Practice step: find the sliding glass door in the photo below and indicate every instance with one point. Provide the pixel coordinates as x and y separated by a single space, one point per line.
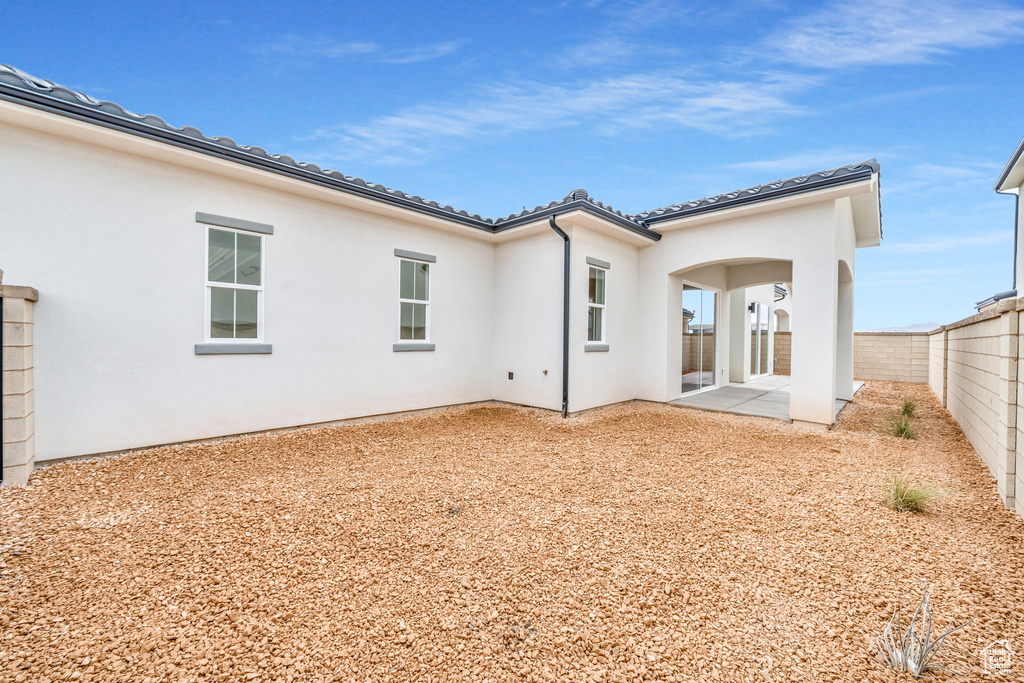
698 339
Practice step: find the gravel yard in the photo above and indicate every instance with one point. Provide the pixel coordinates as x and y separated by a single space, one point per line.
639 542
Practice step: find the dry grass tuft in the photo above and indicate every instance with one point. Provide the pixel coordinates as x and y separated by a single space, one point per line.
902 426
909 407
904 495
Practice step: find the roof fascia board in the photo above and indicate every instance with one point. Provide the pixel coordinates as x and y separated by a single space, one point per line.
722 213
867 217
1013 167
88 133
178 139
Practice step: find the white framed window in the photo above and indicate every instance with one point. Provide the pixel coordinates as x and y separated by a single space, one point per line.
234 285
596 305
414 301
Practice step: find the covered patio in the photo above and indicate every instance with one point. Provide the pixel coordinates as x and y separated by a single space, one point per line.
709 291
761 397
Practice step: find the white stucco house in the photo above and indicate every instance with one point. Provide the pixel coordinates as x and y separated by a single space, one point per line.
1010 181
190 287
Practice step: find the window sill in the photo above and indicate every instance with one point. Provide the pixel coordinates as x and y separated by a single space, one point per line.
591 347
412 346
218 348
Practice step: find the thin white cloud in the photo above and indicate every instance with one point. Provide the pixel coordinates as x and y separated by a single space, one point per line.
914 278
598 52
671 98
805 162
930 177
422 54
607 106
316 46
617 42
942 243
323 47
875 32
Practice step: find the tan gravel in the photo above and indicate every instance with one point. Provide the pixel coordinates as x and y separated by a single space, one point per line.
640 542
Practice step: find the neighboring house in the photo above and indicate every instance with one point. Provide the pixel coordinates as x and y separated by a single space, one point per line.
190 287
1010 182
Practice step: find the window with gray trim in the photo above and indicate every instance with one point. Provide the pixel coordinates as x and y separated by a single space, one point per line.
234 285
414 300
595 305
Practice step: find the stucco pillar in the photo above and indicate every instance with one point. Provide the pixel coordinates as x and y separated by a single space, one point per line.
18 407
844 342
674 338
739 336
812 383
723 335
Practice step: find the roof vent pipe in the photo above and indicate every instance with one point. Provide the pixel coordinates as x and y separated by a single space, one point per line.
565 314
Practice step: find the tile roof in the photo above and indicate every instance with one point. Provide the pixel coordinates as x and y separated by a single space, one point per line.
757 193
23 88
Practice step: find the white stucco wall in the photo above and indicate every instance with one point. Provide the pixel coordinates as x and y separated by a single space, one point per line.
603 377
112 242
783 311
104 224
528 328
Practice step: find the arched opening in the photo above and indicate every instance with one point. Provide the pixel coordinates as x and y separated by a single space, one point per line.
726 323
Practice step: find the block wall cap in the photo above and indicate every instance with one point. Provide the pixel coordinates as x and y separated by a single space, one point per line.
989 313
15 292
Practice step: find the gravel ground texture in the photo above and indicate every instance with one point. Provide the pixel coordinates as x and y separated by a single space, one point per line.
493 543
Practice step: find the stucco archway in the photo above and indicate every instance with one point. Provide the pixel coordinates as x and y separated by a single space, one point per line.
737 283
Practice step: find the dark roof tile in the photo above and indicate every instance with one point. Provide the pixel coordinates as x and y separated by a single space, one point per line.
773 190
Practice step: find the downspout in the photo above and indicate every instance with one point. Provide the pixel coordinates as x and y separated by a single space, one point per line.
1016 237
1016 233
565 318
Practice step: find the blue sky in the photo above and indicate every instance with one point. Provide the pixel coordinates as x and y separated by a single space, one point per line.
493 106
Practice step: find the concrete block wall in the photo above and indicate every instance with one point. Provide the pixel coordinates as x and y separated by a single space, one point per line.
893 357
1018 432
693 345
783 352
980 388
17 387
937 355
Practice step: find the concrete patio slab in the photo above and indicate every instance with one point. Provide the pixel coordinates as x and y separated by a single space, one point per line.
760 397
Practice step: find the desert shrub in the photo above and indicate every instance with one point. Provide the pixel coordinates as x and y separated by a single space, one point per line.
914 649
902 426
909 407
904 495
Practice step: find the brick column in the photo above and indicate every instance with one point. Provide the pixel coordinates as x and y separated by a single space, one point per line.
18 409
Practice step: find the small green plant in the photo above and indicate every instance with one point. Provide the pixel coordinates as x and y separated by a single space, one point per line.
914 650
902 426
909 407
904 495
